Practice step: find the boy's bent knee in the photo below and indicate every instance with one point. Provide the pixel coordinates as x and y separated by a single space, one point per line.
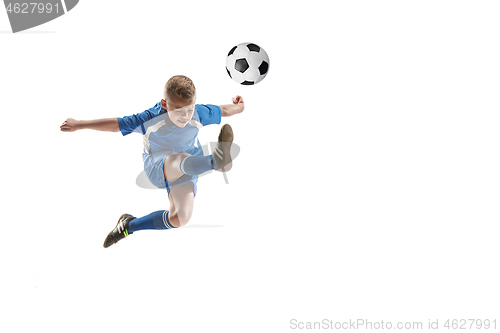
179 219
171 170
175 158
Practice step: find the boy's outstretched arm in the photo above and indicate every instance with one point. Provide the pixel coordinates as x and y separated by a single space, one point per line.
231 109
106 124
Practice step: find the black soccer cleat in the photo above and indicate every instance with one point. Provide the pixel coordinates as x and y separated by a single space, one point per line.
120 231
221 154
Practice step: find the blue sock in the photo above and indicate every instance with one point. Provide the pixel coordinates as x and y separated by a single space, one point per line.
157 220
196 165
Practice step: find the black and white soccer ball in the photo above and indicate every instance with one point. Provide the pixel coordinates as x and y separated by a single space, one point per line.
247 63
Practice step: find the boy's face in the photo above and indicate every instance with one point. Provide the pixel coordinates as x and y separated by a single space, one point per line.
180 111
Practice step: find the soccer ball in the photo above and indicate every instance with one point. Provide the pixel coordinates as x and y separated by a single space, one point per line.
247 63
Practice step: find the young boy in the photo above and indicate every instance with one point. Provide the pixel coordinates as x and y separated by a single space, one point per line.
173 157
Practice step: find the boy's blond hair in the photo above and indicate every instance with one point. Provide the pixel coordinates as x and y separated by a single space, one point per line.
179 86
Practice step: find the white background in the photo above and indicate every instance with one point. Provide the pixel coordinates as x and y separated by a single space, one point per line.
367 184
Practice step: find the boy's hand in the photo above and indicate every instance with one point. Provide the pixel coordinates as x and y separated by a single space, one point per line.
238 100
231 109
69 125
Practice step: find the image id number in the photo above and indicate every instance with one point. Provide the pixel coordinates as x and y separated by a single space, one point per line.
463 324
32 7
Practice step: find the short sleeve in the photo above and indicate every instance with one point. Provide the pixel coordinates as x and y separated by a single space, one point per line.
134 123
209 114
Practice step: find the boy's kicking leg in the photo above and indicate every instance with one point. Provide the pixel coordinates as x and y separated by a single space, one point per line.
178 164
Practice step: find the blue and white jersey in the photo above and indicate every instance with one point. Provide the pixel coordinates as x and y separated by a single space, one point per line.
162 137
